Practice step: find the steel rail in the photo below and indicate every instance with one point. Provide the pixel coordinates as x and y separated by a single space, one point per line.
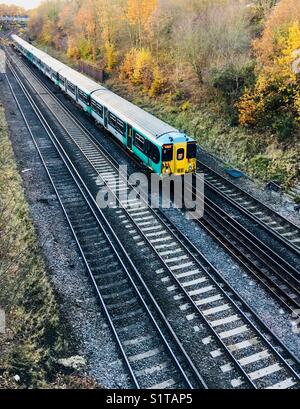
287 273
269 212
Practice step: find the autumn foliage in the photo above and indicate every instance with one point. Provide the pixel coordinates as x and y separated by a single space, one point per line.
11 10
239 53
274 100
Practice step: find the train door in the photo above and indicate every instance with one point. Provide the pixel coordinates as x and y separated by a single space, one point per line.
180 158
105 117
129 137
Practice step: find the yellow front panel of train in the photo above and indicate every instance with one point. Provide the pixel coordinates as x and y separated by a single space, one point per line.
180 164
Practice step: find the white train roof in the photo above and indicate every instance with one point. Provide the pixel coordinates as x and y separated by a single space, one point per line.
76 78
133 114
46 58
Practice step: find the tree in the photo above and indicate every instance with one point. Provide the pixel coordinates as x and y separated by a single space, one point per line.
212 35
138 14
274 100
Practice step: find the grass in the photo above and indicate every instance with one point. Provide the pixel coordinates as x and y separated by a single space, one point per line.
33 337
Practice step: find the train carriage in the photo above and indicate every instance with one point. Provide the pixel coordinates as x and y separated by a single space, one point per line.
79 87
159 146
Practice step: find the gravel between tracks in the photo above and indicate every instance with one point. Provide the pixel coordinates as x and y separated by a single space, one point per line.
280 202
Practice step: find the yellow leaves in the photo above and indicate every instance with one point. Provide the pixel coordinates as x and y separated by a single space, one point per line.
158 82
127 67
297 104
111 56
73 50
290 45
141 69
247 108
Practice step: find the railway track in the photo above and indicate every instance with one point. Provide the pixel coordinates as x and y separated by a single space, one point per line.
206 303
280 278
153 359
258 212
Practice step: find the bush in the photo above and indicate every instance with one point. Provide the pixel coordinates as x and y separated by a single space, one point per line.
157 84
297 198
185 106
232 80
143 69
110 56
284 126
128 65
140 68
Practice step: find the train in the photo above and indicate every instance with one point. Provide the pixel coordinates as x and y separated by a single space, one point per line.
160 147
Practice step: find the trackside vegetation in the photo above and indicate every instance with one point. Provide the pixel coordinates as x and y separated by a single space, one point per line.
32 338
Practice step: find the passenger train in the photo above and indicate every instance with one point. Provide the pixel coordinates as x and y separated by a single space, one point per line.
159 146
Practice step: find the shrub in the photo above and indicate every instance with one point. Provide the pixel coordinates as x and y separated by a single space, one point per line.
143 69
284 126
157 83
232 80
128 65
110 56
185 106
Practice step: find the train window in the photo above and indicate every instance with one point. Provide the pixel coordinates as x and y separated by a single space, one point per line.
71 87
167 153
84 97
180 154
121 126
61 78
97 108
112 120
152 151
139 141
191 150
116 123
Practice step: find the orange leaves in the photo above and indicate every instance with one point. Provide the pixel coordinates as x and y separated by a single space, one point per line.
138 16
139 11
276 92
283 15
86 18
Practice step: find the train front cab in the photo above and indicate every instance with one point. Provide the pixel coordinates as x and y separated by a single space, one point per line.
179 158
